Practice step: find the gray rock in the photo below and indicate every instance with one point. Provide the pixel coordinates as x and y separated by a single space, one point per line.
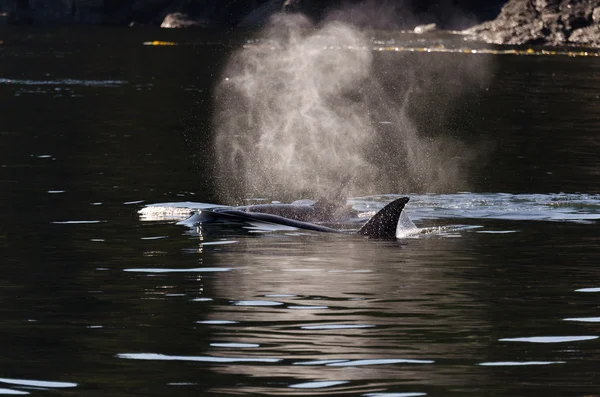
588 36
425 28
548 22
182 20
596 15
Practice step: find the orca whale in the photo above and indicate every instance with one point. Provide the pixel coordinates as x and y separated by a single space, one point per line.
381 226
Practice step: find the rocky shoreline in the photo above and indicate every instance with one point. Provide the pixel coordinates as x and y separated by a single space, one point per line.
543 22
538 22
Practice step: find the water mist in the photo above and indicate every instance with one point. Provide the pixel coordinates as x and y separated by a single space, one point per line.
301 114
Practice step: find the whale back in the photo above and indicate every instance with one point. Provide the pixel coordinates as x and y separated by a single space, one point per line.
381 226
237 215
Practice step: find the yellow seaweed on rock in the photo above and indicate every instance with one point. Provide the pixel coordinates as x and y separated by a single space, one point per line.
510 51
160 43
440 48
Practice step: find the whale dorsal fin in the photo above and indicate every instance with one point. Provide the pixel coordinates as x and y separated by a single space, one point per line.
383 224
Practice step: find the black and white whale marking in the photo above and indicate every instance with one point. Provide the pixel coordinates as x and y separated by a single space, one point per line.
381 226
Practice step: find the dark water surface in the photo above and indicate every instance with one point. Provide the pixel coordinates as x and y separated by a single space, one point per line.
504 300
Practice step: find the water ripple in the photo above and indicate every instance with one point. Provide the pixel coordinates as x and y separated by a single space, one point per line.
518 363
165 270
338 326
217 322
207 359
317 385
238 345
222 242
394 394
75 222
38 383
584 319
85 83
12 392
550 339
380 361
318 362
364 362
153 238
256 303
308 307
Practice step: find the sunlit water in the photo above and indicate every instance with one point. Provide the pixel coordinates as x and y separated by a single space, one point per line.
430 314
498 296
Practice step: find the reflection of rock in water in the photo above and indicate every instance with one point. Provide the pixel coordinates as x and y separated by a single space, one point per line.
343 299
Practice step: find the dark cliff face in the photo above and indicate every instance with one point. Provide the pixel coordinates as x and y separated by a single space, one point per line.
555 22
406 14
219 13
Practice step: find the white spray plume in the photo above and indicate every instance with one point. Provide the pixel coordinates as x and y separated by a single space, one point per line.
299 112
